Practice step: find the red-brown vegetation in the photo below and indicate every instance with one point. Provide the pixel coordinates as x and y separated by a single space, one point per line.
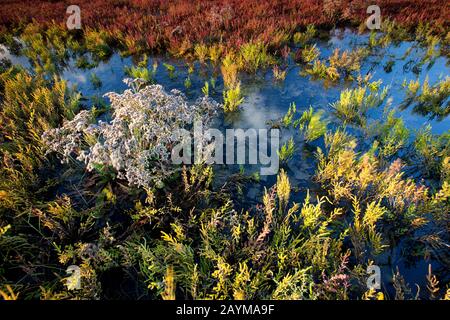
177 25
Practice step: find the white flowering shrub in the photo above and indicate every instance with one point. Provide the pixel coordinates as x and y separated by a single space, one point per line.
138 140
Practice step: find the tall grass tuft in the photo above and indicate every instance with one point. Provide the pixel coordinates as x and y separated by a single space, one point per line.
311 124
232 98
286 151
229 69
253 56
353 104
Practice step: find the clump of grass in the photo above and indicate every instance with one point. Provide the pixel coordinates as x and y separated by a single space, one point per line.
423 31
169 283
320 70
346 173
286 151
41 105
97 43
229 69
201 52
392 134
311 125
412 87
340 65
46 50
302 38
347 63
433 153
289 116
364 230
205 89
254 56
392 33
428 100
170 69
215 52
143 73
432 51
188 83
232 98
144 61
373 41
308 54
283 189
353 104
278 73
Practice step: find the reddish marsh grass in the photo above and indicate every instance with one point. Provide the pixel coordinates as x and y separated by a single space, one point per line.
177 25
